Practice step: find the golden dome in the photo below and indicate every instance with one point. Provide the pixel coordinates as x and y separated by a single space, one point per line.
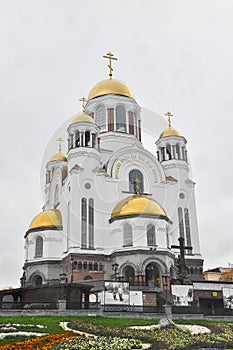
46 220
83 118
138 205
170 132
110 87
58 156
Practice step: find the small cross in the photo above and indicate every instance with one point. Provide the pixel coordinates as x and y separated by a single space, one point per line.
169 115
84 101
137 182
59 140
111 57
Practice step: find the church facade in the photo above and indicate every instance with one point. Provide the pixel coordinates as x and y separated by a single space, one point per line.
112 208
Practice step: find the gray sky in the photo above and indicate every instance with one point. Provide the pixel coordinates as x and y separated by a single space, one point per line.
175 55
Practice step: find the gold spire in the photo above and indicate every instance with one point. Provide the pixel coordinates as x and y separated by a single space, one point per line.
84 101
59 140
110 57
137 187
169 115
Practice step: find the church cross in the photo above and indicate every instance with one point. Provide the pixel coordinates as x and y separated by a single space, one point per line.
110 57
59 140
182 264
137 187
83 100
169 115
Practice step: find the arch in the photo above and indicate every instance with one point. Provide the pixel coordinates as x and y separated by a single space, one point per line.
37 281
80 265
39 247
128 273
163 267
133 175
120 118
127 235
100 117
86 278
153 275
151 239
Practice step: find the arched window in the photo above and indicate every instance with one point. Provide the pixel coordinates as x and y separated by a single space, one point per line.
95 266
181 222
151 241
120 119
91 222
39 247
85 265
133 176
80 266
128 236
187 229
100 117
169 151
178 151
84 223
77 139
90 266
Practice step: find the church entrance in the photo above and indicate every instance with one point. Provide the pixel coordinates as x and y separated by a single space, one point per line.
152 275
129 275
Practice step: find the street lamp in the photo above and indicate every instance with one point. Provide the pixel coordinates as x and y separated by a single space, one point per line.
115 269
63 281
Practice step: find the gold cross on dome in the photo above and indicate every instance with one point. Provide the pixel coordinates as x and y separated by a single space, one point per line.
110 57
169 115
84 101
59 140
137 187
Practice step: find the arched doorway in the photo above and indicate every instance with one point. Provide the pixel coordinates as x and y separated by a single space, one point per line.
37 281
129 274
153 275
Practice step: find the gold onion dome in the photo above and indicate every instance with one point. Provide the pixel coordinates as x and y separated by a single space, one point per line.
58 157
46 220
138 205
110 87
84 118
170 132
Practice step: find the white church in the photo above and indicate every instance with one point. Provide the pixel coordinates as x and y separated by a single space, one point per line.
113 209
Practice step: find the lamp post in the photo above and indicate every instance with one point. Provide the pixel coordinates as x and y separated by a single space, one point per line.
63 281
115 269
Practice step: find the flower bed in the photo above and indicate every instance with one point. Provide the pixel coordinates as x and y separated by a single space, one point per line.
172 338
42 343
100 343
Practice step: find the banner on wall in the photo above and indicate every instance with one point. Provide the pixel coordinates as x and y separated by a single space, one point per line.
116 293
182 294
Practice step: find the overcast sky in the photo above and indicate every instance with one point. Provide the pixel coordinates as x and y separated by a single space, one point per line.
175 55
